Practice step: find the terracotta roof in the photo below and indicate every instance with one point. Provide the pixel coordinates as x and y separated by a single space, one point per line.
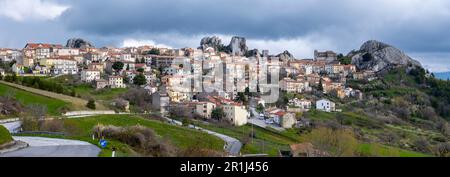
220 101
280 113
42 45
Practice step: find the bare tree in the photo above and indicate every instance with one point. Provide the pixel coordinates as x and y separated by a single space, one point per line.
34 118
336 142
37 111
442 150
422 145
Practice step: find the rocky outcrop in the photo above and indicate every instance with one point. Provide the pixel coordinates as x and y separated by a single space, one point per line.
78 43
378 56
238 46
286 55
253 53
213 42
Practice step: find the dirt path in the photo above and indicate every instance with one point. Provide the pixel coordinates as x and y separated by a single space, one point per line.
78 103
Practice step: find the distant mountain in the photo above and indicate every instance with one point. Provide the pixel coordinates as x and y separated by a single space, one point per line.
443 76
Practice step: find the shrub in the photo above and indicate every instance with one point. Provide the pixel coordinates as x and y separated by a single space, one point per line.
91 104
56 125
422 145
30 124
442 150
427 113
142 139
9 105
139 98
186 122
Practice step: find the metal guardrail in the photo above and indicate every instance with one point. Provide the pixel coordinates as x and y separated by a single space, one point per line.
4 121
39 133
80 113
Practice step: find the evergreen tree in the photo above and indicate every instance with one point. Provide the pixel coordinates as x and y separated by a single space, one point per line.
218 114
91 104
320 88
117 66
139 80
260 108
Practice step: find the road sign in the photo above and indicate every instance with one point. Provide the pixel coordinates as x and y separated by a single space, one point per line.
103 143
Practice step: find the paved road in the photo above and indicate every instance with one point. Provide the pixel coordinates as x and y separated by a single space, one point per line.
50 147
12 127
233 146
262 123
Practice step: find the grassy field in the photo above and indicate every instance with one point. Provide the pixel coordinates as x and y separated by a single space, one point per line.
86 91
319 115
264 142
4 135
373 128
26 98
179 136
77 103
387 151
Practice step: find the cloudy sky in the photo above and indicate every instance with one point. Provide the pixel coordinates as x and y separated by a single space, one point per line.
419 27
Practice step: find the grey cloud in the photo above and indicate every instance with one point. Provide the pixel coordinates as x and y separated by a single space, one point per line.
346 22
412 25
259 19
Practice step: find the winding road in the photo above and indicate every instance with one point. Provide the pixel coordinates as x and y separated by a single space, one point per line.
232 146
49 147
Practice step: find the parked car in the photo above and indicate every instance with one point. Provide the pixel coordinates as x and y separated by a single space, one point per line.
261 116
269 121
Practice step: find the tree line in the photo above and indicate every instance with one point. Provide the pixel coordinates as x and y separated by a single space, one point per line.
40 83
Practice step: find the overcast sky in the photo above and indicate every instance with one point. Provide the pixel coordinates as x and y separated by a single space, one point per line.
419 27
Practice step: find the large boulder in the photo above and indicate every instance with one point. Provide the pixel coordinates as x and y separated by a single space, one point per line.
285 56
213 42
79 43
238 46
253 53
377 56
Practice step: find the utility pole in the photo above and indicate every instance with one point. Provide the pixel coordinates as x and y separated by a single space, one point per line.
264 148
252 133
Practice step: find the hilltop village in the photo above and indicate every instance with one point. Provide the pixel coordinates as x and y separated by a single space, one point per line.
153 69
376 99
